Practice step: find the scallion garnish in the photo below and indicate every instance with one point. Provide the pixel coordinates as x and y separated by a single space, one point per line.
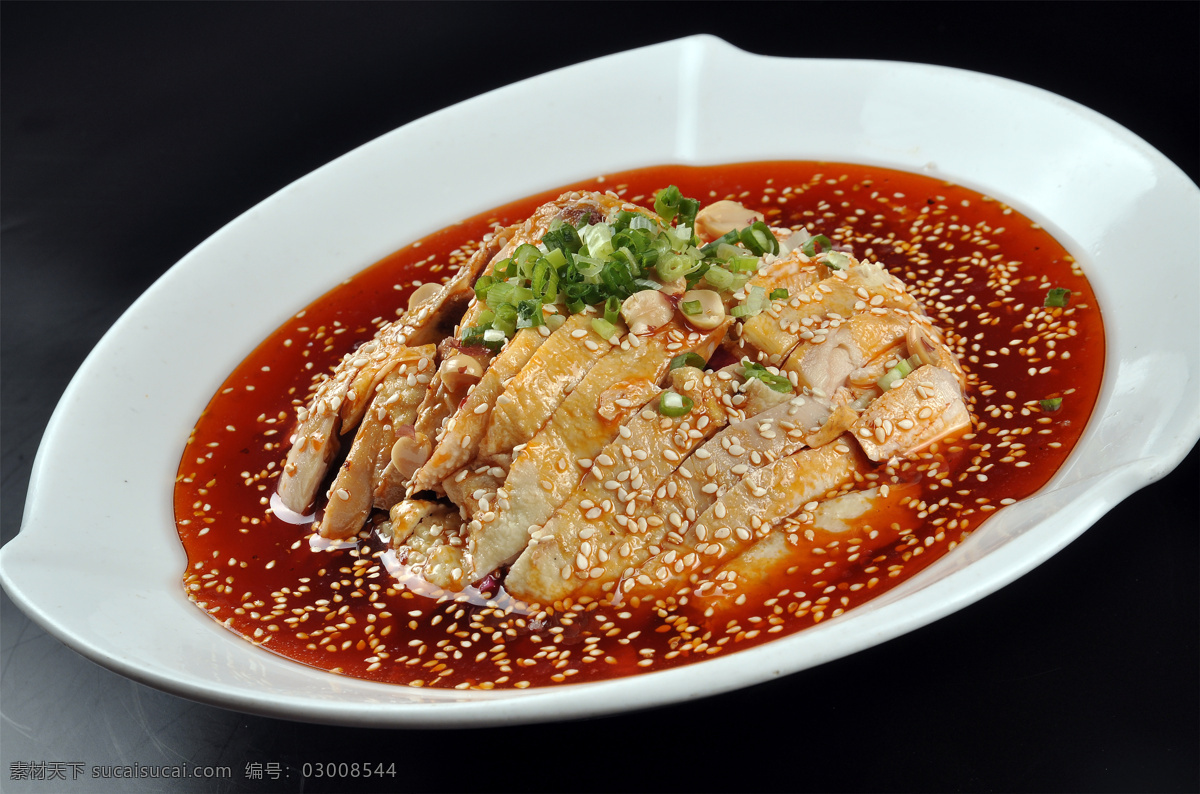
728 238
688 360
1051 403
835 260
603 327
898 373
752 305
815 245
758 239
1057 297
494 338
612 309
690 308
778 383
674 404
720 278
779 294
670 204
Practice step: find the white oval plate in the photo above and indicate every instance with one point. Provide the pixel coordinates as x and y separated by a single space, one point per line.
98 562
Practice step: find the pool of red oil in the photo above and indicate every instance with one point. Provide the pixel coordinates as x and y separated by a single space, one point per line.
981 269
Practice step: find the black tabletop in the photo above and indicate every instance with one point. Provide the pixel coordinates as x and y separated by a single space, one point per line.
131 132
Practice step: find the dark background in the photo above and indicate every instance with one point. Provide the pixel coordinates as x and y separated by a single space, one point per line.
131 132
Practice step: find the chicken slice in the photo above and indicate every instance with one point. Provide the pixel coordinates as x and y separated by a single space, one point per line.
464 429
547 469
801 541
793 272
340 400
534 393
747 512
427 537
748 443
351 495
810 312
594 534
926 406
826 362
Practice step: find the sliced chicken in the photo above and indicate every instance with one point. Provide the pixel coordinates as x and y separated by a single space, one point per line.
547 469
428 539
595 533
804 541
536 391
747 512
808 313
841 347
341 399
351 496
923 408
464 430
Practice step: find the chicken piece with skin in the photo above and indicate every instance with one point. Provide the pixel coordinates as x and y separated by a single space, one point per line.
772 334
746 513
749 442
622 542
340 400
802 540
840 348
596 533
547 469
464 429
925 407
427 537
351 496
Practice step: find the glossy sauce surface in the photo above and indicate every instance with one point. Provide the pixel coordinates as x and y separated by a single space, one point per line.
980 268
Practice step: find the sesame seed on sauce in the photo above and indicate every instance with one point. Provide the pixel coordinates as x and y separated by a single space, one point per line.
351 607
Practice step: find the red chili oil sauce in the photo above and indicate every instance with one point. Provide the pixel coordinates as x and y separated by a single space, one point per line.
979 267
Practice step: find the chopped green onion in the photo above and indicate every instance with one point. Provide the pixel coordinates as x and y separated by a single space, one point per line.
810 247
482 286
728 238
673 266
494 338
603 327
525 254
1058 296
778 383
669 203
598 240
779 294
688 360
612 309
555 321
472 335
898 373
744 264
1051 404
752 305
545 281
506 319
690 308
674 404
529 313
563 238
726 252
719 277
757 237
504 269
639 221
835 260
